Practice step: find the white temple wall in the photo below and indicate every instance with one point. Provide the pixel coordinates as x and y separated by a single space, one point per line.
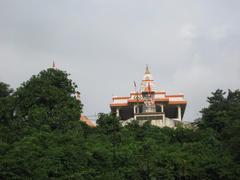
120 101
169 123
158 96
176 99
158 123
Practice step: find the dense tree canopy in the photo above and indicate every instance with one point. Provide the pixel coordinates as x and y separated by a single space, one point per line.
41 137
5 92
223 116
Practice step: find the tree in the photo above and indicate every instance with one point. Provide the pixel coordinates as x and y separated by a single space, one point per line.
5 92
41 137
110 126
214 116
223 116
47 99
6 111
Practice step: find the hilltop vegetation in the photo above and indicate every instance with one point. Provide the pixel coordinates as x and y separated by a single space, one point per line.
41 137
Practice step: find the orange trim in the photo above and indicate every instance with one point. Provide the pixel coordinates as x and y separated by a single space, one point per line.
147 80
159 92
156 92
87 121
135 93
122 97
177 95
119 104
162 99
134 100
177 102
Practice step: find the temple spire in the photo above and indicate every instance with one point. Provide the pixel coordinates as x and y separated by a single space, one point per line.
147 70
147 82
147 74
53 65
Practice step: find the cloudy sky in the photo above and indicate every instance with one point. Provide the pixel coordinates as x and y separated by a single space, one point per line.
192 47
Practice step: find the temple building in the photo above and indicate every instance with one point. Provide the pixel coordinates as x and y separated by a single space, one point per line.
148 104
87 121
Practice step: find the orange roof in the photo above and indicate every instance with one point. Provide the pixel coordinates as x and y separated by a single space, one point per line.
135 93
175 95
135 100
119 104
160 92
162 99
122 97
177 102
147 80
87 121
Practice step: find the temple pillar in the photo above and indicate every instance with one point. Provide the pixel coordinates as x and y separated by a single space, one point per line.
134 109
179 113
117 112
162 108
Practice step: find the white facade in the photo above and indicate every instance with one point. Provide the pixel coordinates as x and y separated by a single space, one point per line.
150 105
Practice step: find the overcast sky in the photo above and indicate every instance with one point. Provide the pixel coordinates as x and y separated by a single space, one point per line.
191 46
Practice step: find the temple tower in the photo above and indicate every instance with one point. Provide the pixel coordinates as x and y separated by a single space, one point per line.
150 105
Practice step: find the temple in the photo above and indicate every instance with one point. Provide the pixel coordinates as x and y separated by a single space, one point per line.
148 104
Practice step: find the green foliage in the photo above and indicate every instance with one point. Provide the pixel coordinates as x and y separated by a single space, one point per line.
41 137
223 116
4 90
5 102
47 99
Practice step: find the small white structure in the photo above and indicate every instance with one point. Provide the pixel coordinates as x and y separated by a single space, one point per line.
150 105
